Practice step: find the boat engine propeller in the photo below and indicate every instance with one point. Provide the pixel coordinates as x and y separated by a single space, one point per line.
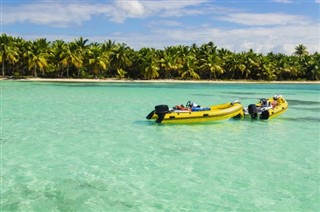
253 111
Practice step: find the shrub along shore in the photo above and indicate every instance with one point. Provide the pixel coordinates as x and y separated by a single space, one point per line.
115 80
81 59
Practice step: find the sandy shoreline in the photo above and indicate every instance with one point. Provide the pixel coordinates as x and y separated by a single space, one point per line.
157 81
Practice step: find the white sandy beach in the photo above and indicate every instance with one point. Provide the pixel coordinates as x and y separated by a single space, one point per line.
156 81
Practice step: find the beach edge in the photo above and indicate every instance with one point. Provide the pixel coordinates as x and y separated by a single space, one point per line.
114 80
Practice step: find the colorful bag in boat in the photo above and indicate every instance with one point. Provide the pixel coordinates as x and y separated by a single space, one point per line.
200 108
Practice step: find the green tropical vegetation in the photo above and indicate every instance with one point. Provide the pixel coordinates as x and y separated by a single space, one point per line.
80 58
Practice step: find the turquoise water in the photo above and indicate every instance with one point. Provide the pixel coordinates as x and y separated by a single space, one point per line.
88 147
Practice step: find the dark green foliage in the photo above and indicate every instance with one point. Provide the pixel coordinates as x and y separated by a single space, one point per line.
80 59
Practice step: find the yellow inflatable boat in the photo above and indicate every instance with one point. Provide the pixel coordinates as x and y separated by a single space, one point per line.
193 113
267 108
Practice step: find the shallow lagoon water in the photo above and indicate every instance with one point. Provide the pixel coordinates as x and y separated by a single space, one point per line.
88 147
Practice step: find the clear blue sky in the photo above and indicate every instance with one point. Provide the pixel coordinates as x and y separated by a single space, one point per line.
238 25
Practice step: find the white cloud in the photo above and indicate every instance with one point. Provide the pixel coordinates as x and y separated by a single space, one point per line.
69 13
164 8
279 39
166 5
282 1
56 14
166 23
132 8
264 19
264 40
317 1
127 9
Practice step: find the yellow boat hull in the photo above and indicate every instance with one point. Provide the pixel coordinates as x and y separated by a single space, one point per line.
270 112
279 109
216 112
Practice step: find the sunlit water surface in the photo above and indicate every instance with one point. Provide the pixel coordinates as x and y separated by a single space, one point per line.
88 147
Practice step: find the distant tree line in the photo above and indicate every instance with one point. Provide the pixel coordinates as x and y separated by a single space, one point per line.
80 59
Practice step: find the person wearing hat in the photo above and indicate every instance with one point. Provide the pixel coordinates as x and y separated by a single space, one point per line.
274 103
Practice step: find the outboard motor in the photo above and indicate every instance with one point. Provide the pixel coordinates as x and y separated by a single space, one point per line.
161 111
264 115
252 109
150 115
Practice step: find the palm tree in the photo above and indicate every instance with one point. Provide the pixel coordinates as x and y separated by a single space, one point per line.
151 70
169 62
268 69
8 51
284 66
71 56
119 57
57 55
188 70
310 66
97 60
252 63
235 67
37 55
21 66
81 46
108 46
81 43
301 50
150 63
207 49
212 63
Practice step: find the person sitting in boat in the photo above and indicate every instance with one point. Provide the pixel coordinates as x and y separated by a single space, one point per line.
195 105
274 103
182 107
264 103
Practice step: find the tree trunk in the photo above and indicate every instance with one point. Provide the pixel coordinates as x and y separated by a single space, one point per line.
67 71
3 68
35 72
